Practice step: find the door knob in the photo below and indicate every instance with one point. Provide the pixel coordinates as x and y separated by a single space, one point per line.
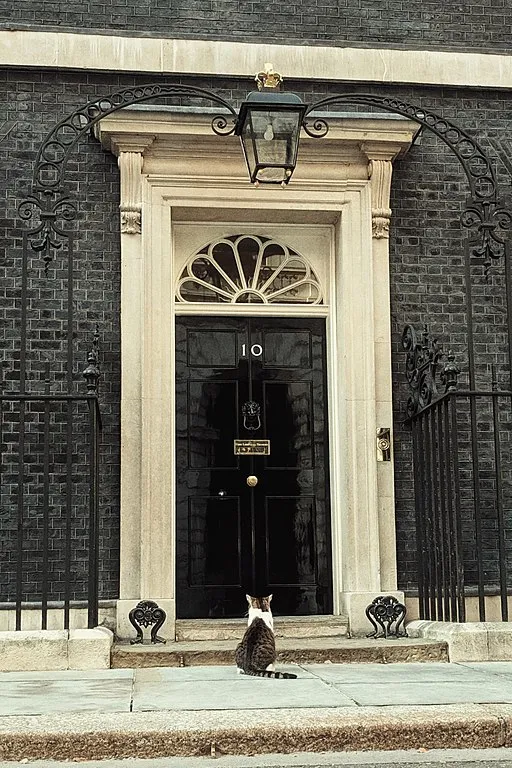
222 494
251 481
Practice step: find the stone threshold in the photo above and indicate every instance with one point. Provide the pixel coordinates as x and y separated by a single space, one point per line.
189 630
100 736
289 650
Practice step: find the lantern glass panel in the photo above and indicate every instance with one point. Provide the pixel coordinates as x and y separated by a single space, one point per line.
249 146
275 138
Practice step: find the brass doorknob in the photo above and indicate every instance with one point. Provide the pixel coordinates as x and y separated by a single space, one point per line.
251 481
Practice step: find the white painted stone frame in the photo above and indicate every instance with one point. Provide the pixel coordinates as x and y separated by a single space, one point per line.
344 180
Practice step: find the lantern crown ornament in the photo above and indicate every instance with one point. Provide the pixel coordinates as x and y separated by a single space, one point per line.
269 124
267 78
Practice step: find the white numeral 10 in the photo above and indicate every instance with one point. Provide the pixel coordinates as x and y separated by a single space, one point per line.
256 350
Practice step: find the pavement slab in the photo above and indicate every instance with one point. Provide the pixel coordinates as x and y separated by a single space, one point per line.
241 693
165 675
212 711
467 758
421 693
398 674
34 695
500 668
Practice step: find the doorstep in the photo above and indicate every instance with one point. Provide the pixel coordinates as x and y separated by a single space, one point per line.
298 627
312 650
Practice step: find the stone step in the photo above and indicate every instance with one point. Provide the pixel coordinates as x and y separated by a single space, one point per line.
300 627
291 650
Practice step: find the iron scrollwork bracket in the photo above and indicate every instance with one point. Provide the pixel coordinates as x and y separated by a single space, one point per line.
144 614
423 368
383 612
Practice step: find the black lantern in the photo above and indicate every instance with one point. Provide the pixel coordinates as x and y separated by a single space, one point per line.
269 125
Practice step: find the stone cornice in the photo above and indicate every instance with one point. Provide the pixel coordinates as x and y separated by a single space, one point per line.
171 142
65 50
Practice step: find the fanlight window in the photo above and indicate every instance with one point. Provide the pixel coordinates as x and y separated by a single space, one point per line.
248 269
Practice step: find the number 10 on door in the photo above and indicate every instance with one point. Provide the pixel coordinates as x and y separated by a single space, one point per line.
256 350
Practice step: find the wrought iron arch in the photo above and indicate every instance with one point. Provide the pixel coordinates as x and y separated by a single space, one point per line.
57 146
483 213
48 181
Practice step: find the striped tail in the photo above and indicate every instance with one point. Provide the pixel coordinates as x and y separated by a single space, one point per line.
268 673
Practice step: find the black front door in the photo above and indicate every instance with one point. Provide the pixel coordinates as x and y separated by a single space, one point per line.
252 379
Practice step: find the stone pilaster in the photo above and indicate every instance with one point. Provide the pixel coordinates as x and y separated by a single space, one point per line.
380 170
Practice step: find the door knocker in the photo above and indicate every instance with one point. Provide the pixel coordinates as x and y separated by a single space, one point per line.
251 414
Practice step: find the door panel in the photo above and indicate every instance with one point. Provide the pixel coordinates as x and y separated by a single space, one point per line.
232 538
214 554
212 423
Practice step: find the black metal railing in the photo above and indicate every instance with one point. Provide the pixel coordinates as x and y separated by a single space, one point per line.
49 503
463 497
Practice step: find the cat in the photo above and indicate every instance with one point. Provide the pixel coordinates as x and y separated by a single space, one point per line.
256 654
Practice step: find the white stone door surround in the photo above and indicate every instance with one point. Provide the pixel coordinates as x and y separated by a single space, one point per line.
176 175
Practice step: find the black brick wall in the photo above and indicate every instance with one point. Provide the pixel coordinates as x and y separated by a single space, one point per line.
426 251
419 23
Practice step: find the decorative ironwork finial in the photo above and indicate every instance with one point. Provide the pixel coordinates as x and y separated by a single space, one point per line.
450 373
92 372
267 78
48 234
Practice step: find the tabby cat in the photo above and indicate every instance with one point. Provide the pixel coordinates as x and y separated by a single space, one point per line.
256 654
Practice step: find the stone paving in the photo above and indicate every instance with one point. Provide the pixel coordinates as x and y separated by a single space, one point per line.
221 688
456 758
212 711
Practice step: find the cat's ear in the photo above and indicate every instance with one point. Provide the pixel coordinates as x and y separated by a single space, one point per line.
269 598
249 599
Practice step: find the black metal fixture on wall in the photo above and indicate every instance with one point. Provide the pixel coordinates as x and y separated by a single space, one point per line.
269 125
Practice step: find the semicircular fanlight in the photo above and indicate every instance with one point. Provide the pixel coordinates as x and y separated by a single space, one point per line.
247 269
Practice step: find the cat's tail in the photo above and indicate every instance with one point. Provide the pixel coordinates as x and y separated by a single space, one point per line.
269 673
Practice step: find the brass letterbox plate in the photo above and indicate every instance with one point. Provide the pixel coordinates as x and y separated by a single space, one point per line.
252 447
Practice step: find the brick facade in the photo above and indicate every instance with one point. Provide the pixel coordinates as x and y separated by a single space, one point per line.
418 23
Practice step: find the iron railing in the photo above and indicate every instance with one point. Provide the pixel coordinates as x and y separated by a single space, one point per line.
463 497
49 493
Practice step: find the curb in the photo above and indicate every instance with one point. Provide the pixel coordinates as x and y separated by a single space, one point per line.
99 736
